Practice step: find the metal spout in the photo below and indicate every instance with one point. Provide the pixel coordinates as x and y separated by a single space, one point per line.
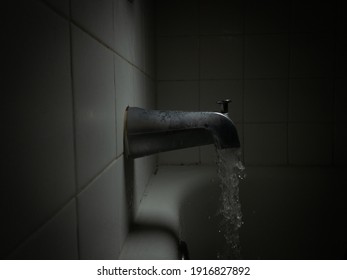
149 132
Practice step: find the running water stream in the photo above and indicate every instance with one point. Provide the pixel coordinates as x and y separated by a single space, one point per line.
230 170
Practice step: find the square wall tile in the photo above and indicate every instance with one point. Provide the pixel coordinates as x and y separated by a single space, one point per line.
310 144
267 56
96 17
181 95
341 56
266 100
124 25
221 17
221 57
312 55
180 157
213 91
340 100
269 16
149 26
38 138
177 17
143 170
139 84
341 22
61 5
265 144
124 80
56 240
177 58
139 35
94 92
340 140
313 16
122 199
99 217
311 100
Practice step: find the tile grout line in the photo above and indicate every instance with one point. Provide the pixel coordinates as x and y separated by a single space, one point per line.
74 118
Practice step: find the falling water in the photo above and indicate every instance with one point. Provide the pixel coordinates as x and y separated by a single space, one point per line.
230 170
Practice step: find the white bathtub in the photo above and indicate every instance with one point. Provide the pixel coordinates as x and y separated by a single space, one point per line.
288 213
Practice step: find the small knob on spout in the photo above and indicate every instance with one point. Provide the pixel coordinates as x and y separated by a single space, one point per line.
224 105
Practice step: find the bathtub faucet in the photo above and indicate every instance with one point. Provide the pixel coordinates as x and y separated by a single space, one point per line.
152 131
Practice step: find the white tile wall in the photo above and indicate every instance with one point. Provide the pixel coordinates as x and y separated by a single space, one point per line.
266 56
340 100
65 102
310 144
341 56
340 140
223 17
177 58
276 60
96 17
265 144
60 5
172 18
56 240
124 25
310 16
38 151
220 57
99 217
312 55
269 16
266 100
93 73
171 91
311 100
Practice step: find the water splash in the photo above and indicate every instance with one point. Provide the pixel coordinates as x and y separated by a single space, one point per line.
230 171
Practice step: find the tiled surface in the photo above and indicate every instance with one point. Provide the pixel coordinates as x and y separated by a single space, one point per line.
220 57
340 100
169 92
340 140
221 17
56 240
177 58
67 100
312 16
265 144
38 155
173 19
124 24
96 17
99 217
341 56
312 55
266 100
310 144
94 104
277 60
269 16
61 5
267 56
139 39
311 100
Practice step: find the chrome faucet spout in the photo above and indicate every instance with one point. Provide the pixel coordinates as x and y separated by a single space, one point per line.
152 131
